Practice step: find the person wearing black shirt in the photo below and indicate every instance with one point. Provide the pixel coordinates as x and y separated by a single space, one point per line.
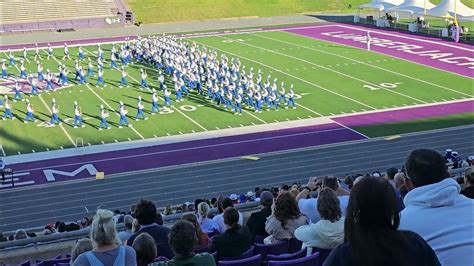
235 240
257 220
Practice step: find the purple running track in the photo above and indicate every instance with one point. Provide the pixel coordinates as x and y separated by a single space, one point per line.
188 152
454 57
407 114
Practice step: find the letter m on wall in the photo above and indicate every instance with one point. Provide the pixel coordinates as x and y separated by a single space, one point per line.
51 173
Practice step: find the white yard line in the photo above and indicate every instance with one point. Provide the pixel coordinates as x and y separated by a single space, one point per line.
289 75
4 154
111 108
326 68
353 130
100 98
47 107
256 117
176 109
60 125
363 63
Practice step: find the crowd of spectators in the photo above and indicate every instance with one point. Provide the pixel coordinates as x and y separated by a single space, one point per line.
372 219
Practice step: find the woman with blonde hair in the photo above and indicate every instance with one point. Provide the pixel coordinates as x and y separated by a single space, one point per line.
107 249
207 225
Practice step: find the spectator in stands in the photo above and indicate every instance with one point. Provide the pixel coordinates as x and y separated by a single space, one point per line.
135 226
435 197
168 210
207 225
82 245
107 246
219 219
61 227
203 238
257 220
468 190
329 231
307 205
399 180
285 218
146 214
183 241
371 231
159 218
390 175
2 238
235 240
20 234
145 247
128 223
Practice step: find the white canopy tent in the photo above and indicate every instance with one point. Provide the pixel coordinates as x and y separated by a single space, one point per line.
470 18
450 8
381 5
413 7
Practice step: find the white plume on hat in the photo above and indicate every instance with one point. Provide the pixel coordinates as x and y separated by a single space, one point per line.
121 103
75 103
101 106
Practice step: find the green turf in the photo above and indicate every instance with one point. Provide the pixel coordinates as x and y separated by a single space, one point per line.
156 11
329 78
153 11
417 125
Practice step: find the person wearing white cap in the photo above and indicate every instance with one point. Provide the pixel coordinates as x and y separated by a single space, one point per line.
54 113
123 116
37 53
155 108
29 112
50 51
123 81
77 116
291 98
66 52
140 112
4 70
167 94
103 118
23 73
8 109
143 82
100 78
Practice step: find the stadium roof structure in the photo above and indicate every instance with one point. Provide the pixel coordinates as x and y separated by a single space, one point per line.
381 5
413 7
449 9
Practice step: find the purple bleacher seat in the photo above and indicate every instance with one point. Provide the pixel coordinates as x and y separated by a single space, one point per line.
26 263
291 256
64 260
63 264
312 260
247 254
273 249
323 253
161 258
295 245
203 249
259 239
252 261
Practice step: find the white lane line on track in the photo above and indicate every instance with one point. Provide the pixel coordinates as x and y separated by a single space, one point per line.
289 75
4 154
328 69
194 184
311 156
364 63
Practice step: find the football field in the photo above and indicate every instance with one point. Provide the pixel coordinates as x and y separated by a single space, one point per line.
329 80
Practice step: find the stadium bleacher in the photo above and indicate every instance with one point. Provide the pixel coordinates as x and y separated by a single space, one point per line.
22 16
289 252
